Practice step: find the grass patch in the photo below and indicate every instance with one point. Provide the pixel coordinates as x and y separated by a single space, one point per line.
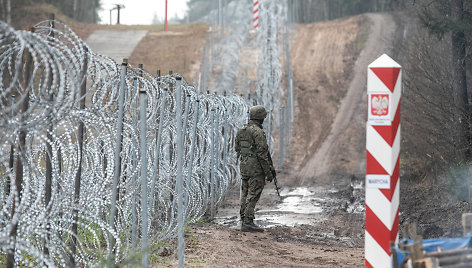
362 35
195 262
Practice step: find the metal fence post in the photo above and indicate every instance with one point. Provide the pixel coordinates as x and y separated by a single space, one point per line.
212 164
157 151
48 173
225 138
269 128
134 212
289 73
11 162
288 128
184 126
281 137
20 157
199 82
117 153
78 175
179 182
216 151
144 166
193 141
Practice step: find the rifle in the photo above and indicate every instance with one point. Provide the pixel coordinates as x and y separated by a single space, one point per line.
277 188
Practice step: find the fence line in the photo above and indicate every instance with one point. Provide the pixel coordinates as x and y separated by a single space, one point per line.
97 182
240 48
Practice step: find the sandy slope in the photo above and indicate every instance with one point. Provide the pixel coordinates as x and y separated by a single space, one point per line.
342 136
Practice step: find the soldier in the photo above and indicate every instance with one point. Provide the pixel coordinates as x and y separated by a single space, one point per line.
253 151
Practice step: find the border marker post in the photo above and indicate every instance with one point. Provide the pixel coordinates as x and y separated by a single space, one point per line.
382 160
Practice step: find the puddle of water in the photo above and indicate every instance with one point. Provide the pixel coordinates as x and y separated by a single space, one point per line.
285 219
299 206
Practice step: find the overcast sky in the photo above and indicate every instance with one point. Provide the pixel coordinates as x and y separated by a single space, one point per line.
142 11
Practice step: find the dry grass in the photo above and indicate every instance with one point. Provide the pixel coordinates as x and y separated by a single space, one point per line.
27 16
180 49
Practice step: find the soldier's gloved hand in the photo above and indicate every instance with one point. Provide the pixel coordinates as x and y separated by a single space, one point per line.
269 177
274 174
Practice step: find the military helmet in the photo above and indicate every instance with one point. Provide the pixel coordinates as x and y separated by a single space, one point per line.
257 112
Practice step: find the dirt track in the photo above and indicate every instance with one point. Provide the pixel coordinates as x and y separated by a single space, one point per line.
220 247
342 149
115 44
327 154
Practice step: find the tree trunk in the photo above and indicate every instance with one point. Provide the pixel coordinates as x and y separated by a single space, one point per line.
96 6
325 10
2 8
8 9
330 10
459 81
74 9
303 12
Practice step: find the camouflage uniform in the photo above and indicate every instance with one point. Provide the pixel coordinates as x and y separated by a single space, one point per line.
252 149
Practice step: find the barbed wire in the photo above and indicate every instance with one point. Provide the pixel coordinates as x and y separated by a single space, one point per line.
245 60
69 196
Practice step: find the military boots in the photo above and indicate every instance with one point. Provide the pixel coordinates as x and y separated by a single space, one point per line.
249 226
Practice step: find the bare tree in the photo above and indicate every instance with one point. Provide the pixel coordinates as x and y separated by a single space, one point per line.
428 106
2 8
447 17
459 76
74 9
8 11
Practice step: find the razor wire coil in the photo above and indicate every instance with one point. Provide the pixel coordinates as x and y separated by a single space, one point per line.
41 77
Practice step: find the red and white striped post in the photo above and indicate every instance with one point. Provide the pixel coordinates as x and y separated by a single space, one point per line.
166 26
255 14
382 164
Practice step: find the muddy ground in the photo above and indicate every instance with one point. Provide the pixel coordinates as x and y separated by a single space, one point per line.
310 226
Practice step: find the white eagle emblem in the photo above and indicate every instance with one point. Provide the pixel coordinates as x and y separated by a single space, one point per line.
380 105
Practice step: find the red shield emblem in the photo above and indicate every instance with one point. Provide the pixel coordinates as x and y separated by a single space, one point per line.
379 104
